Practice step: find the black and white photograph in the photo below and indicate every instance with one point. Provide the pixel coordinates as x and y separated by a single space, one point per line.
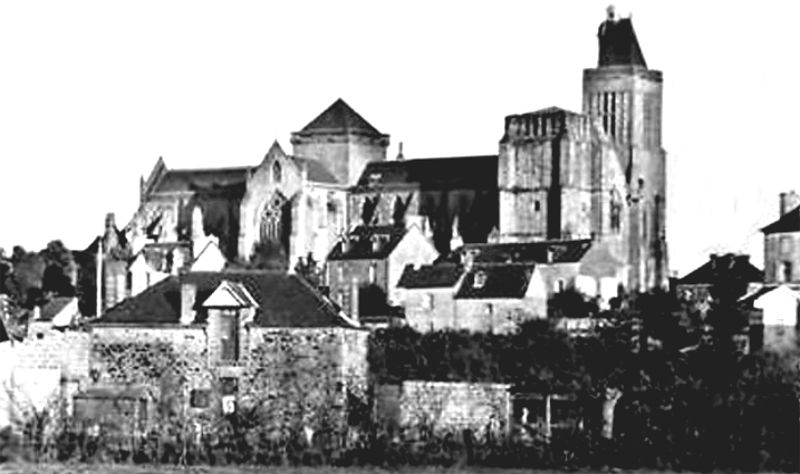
421 236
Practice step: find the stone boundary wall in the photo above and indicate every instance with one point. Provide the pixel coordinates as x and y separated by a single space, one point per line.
456 406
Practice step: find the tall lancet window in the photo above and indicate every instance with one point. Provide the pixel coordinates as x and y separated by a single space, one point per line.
277 172
616 211
271 217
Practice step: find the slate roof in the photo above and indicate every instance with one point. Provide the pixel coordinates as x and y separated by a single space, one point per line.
563 251
361 243
229 179
619 45
187 179
467 172
340 118
52 308
729 266
501 281
789 222
284 300
440 275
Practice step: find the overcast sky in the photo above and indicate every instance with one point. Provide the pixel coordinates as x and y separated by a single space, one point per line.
92 93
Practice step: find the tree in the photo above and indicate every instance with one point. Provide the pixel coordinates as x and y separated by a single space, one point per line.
60 268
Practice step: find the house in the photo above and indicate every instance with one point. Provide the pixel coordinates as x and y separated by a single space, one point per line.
481 297
586 265
782 243
728 276
230 339
368 263
776 326
59 313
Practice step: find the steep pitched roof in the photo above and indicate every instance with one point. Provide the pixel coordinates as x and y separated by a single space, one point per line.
729 266
559 251
188 179
619 45
361 243
52 308
283 300
440 275
789 222
340 118
466 172
499 281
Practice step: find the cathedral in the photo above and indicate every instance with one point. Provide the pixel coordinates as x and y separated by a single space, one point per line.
598 175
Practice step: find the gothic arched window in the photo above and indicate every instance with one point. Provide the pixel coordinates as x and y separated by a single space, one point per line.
271 216
277 172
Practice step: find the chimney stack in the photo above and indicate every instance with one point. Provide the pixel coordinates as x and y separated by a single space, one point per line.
788 202
188 300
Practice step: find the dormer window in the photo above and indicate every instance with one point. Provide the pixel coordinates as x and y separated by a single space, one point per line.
479 281
374 179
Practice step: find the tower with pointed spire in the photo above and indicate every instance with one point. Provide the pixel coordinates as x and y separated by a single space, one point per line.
624 97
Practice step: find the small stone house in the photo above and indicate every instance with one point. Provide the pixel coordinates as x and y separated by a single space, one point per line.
777 323
202 343
478 297
367 264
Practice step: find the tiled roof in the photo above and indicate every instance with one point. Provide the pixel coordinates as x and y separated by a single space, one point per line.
724 268
468 172
566 251
340 118
187 179
361 243
789 222
440 275
499 281
619 45
52 308
284 300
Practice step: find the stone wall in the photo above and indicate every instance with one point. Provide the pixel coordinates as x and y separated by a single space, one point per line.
455 406
42 373
289 377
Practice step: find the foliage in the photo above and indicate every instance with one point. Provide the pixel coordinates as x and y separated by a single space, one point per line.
60 265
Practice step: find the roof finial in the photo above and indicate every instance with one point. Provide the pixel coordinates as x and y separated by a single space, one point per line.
400 151
612 14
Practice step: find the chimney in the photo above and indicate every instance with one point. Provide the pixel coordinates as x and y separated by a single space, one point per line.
354 296
480 280
377 243
188 300
178 262
400 156
37 313
468 259
788 202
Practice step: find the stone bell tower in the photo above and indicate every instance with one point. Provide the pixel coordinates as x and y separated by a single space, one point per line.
624 97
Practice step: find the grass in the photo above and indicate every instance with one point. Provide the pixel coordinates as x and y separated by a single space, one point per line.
74 468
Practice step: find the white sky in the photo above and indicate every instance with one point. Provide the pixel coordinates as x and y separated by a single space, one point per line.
92 93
